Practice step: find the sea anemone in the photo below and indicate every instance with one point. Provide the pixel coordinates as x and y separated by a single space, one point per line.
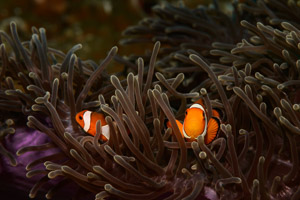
149 163
253 83
6 129
183 31
260 76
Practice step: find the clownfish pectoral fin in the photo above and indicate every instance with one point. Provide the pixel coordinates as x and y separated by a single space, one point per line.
179 124
213 127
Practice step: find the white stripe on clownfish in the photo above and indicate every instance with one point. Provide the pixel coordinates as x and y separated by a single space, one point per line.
105 131
87 120
197 105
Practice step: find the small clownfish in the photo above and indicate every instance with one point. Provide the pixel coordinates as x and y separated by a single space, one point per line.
88 119
196 123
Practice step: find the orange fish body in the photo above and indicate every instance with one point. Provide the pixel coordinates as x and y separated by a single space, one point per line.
196 123
88 119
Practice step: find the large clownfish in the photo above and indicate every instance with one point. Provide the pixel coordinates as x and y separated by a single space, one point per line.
196 123
88 119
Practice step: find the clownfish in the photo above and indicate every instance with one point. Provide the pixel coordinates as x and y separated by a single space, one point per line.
88 119
196 123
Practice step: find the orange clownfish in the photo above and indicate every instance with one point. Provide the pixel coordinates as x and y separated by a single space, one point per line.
196 123
88 119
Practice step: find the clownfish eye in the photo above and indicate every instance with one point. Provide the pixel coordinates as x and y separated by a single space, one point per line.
185 112
80 117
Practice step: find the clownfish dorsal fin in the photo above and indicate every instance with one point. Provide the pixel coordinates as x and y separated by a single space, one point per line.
212 130
215 112
200 101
